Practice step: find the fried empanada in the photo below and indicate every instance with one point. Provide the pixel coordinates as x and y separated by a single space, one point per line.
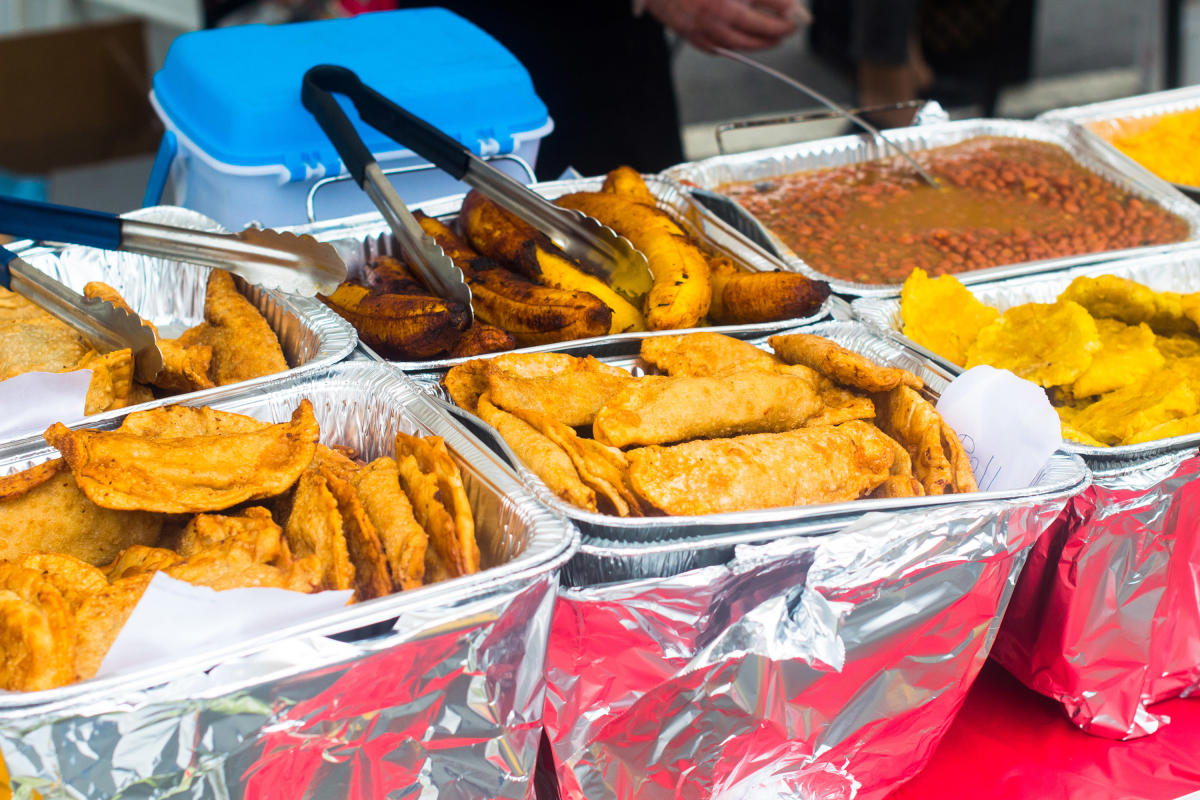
704 354
74 579
43 656
188 474
141 560
100 618
314 528
571 397
174 422
457 553
243 344
913 422
404 540
371 577
840 364
465 382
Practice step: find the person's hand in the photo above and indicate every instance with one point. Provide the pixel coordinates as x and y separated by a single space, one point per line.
735 24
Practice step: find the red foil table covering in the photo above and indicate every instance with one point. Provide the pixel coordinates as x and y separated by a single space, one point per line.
1008 743
1106 616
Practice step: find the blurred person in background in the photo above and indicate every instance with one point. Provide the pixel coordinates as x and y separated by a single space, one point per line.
602 67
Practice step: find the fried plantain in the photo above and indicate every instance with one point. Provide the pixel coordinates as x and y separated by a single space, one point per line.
408 326
743 298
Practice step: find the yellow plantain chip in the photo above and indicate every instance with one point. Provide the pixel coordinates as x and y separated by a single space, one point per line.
1121 415
942 314
1051 344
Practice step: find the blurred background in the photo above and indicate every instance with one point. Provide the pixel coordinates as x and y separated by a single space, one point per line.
74 75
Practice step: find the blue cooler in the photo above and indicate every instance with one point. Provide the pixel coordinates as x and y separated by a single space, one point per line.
240 147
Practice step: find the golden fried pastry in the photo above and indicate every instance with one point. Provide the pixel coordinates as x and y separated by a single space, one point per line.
189 474
38 629
243 344
704 354
371 577
100 618
432 480
39 344
314 528
174 422
141 560
799 467
74 579
465 382
404 540
572 396
840 364
913 422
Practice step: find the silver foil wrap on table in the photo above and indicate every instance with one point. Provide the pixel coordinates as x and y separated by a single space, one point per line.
1083 147
170 294
361 239
1106 617
433 692
853 335
823 660
1142 106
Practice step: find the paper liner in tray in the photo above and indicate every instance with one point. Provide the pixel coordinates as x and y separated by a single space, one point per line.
360 239
1143 106
1176 269
1061 471
434 680
1086 149
170 294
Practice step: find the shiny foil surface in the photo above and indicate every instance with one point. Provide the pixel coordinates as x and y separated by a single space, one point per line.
816 664
432 692
1106 617
1087 150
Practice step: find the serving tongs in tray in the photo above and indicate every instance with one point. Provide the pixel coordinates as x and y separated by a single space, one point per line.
108 326
604 253
296 264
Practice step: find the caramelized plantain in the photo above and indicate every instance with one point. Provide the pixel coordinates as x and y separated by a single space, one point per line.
740 298
407 326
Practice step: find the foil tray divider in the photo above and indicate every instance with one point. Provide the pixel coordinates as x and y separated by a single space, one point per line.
368 401
361 238
1175 269
1086 148
1062 473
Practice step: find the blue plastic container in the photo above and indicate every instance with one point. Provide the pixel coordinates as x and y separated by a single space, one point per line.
240 147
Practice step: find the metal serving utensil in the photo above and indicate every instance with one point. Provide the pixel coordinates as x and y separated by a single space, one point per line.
103 323
284 261
830 104
418 249
607 255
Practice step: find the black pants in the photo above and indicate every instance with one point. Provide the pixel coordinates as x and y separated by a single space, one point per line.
604 75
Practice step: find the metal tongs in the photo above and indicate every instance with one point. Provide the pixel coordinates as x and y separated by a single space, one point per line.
107 326
275 260
419 250
607 255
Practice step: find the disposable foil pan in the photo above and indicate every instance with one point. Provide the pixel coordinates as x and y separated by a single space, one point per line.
1142 106
852 335
1086 149
171 295
360 239
433 690
1176 269
825 660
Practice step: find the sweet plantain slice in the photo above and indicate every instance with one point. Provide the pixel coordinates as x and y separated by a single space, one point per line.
399 325
682 290
742 298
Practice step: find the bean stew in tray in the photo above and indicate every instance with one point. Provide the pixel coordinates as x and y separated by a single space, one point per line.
1001 201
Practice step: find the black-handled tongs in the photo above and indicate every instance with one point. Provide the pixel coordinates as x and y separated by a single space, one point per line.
609 256
419 250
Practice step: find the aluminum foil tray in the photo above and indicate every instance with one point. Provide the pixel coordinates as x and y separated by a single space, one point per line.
171 295
1154 104
1176 269
360 239
435 681
853 335
1087 150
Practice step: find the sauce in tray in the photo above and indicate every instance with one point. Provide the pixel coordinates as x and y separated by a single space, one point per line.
1002 201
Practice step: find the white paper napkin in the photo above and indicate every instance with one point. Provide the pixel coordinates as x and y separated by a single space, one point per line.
34 401
1006 424
173 617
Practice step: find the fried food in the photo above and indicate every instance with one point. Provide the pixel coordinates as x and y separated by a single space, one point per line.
481 338
440 483
101 617
703 354
627 182
173 422
943 315
52 515
74 579
1110 297
112 379
141 560
661 410
572 395
404 540
1127 355
406 326
962 474
839 405
14 485
682 290
39 344
839 364
1118 417
371 577
243 344
465 382
799 467
189 474
1181 426
1051 344
37 631
744 298
546 459
913 422
314 529
1173 347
